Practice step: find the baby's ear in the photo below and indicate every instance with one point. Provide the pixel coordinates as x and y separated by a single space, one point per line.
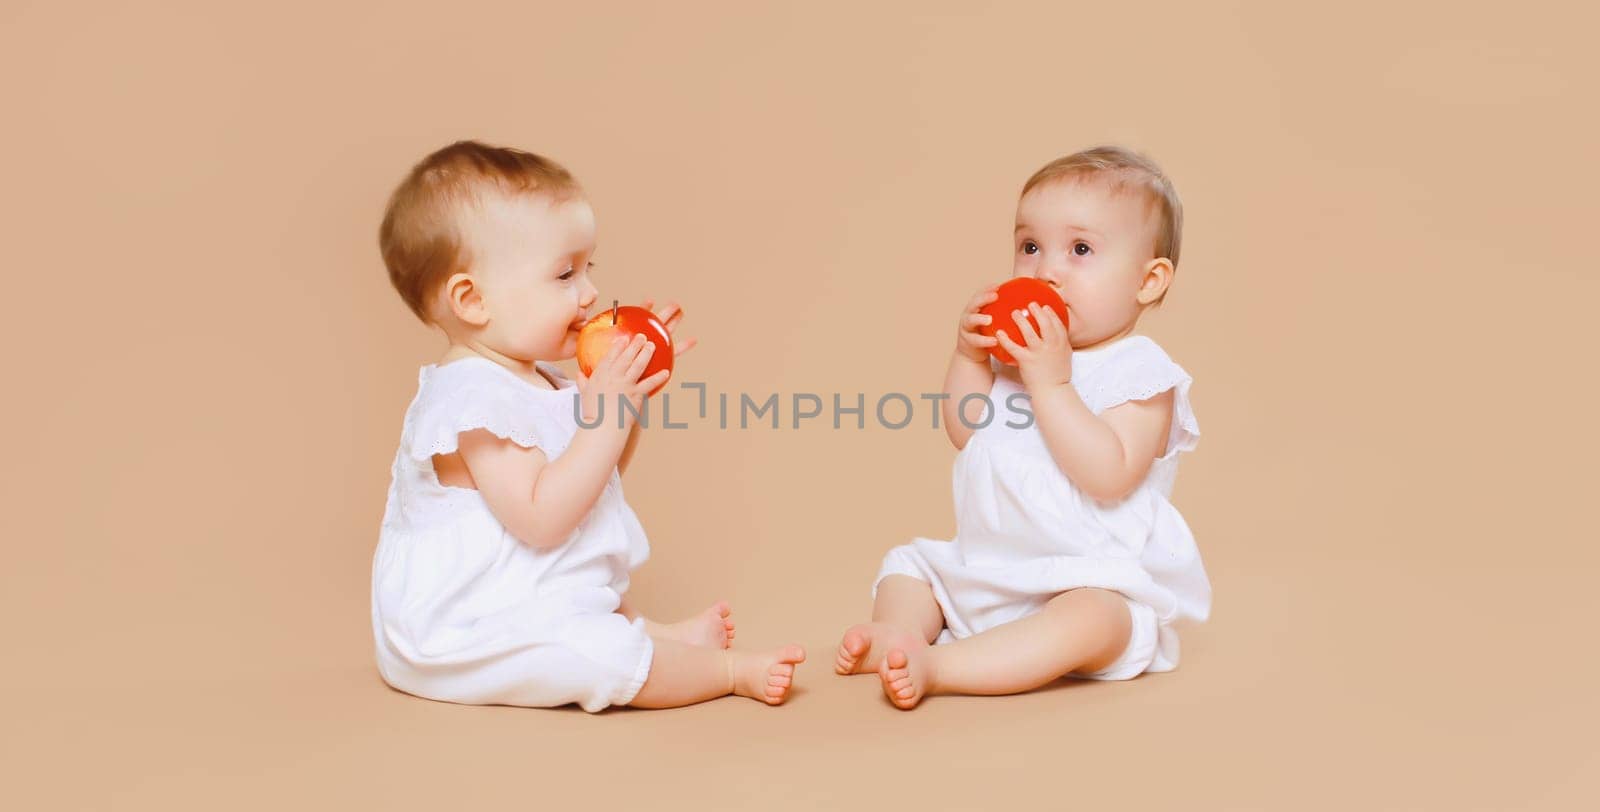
465 299
1157 278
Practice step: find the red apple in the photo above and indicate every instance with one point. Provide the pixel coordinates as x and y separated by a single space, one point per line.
1015 295
626 321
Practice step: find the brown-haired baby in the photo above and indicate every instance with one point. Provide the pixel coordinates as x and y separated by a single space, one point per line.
503 562
1069 558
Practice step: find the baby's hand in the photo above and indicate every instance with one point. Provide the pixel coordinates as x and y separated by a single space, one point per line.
671 314
1044 358
616 377
970 343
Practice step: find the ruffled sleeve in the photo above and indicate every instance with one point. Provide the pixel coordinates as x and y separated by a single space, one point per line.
464 396
1142 370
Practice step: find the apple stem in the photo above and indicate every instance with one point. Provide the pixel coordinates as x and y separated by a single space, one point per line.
613 311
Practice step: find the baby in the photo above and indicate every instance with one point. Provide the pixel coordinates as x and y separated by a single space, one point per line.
1068 557
502 565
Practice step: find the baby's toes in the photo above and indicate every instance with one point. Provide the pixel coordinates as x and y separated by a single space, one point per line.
779 680
852 648
896 660
902 693
898 685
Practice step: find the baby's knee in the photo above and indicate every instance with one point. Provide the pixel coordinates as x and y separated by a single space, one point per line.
1102 609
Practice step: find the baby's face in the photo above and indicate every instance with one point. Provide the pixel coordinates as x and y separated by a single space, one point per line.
530 262
1093 244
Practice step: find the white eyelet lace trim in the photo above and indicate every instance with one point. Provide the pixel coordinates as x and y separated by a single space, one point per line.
438 429
1144 378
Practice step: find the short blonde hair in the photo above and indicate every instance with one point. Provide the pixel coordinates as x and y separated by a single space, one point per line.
1126 169
421 239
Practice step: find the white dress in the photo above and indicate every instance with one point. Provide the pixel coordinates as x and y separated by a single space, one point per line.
1025 533
463 611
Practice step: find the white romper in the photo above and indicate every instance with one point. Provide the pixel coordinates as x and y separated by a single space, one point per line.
1025 533
462 611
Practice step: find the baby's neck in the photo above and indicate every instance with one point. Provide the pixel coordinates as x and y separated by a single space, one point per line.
527 370
1108 340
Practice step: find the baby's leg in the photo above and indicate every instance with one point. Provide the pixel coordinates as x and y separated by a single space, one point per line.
1080 630
712 627
904 613
683 674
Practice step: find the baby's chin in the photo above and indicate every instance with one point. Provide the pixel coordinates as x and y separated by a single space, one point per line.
569 346
549 352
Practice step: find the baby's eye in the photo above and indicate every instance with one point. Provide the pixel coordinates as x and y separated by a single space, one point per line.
571 271
1029 247
1082 249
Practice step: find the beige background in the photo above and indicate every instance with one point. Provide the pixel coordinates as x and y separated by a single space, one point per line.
1386 299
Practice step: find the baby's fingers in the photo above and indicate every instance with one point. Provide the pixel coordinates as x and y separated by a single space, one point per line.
1016 350
660 377
1025 327
970 333
613 352
681 347
670 314
626 353
641 359
1050 327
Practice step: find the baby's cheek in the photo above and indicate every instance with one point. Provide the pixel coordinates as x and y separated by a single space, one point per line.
564 342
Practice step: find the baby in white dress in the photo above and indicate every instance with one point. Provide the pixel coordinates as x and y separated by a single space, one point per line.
1069 558
502 566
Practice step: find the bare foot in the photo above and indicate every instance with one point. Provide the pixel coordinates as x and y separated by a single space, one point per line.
766 676
863 646
712 628
907 675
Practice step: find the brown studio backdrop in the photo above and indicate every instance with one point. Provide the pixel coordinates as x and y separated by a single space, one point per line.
1385 299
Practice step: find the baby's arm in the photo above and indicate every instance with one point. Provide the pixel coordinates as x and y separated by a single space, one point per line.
969 370
1106 456
541 502
670 315
628 448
